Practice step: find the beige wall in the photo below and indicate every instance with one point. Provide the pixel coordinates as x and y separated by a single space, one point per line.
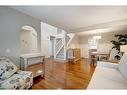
104 44
75 42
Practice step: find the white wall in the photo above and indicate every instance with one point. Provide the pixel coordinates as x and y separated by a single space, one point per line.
24 35
11 22
104 44
84 50
46 32
28 41
34 44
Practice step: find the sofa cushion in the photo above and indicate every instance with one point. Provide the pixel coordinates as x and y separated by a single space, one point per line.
107 64
123 65
19 80
7 68
107 78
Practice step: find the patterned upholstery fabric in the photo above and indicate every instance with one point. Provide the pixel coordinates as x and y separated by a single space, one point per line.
20 80
10 78
7 68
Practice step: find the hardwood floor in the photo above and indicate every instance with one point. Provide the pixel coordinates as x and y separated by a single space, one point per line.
65 75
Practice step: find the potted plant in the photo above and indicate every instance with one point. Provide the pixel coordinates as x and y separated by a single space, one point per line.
121 40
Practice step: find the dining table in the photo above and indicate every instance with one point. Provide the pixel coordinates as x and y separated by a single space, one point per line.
96 56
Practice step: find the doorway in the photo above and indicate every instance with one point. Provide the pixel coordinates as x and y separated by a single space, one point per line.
52 46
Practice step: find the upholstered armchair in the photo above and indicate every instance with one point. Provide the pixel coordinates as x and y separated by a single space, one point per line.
12 78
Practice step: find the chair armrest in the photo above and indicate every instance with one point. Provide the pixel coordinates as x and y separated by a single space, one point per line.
107 64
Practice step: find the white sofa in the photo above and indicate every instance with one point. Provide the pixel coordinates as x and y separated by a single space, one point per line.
110 75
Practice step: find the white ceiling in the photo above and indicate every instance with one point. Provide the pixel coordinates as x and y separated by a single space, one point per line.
74 17
118 29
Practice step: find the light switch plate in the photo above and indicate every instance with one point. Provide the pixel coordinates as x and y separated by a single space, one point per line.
8 50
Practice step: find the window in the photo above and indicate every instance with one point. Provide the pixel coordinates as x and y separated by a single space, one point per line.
92 43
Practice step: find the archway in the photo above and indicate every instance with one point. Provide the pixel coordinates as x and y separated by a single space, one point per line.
28 40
